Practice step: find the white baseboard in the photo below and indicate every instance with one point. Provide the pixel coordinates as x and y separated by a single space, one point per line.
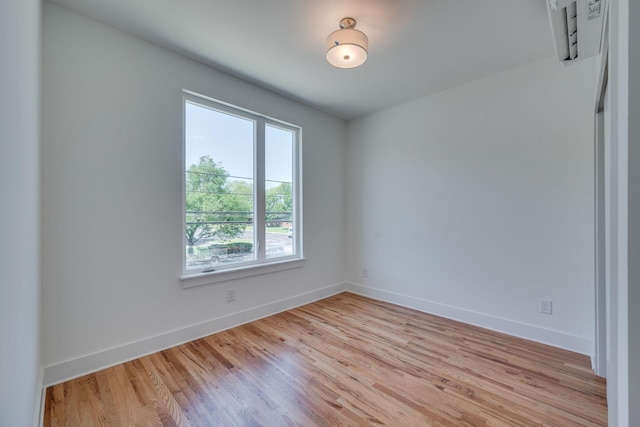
558 339
77 367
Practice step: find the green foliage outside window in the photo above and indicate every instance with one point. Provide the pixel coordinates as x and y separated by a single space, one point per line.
216 208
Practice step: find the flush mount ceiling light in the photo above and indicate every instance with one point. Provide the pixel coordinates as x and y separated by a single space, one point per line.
347 47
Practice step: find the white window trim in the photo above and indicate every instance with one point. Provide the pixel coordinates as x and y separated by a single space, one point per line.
240 272
261 265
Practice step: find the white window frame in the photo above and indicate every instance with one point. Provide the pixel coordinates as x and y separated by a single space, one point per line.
261 265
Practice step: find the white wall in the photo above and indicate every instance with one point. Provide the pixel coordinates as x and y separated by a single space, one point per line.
623 381
19 212
111 200
634 213
477 202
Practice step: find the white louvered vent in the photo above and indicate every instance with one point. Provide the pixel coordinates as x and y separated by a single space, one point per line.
576 26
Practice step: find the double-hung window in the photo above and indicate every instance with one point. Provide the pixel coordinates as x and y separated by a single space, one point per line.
241 191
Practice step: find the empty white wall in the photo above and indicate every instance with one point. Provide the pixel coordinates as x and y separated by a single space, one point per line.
19 212
633 301
623 380
111 204
477 202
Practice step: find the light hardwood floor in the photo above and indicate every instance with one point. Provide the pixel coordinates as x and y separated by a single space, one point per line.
345 360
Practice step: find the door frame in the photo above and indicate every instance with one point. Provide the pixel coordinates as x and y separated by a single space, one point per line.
599 362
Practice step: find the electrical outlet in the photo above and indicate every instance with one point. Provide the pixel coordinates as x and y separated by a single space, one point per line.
231 295
546 306
365 273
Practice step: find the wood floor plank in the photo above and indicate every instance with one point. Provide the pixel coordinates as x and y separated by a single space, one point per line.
345 360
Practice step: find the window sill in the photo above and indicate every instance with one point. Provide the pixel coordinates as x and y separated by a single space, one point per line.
208 278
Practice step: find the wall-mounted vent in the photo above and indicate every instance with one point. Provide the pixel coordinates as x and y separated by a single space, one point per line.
576 26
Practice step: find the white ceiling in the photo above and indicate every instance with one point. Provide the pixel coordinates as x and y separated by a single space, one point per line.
416 47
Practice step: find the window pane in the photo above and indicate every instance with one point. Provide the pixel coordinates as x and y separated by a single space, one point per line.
219 188
279 219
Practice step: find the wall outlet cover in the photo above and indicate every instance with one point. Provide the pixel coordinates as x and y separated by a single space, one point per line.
231 295
546 306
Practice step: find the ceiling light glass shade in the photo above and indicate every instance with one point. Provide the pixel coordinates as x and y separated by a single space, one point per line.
347 48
